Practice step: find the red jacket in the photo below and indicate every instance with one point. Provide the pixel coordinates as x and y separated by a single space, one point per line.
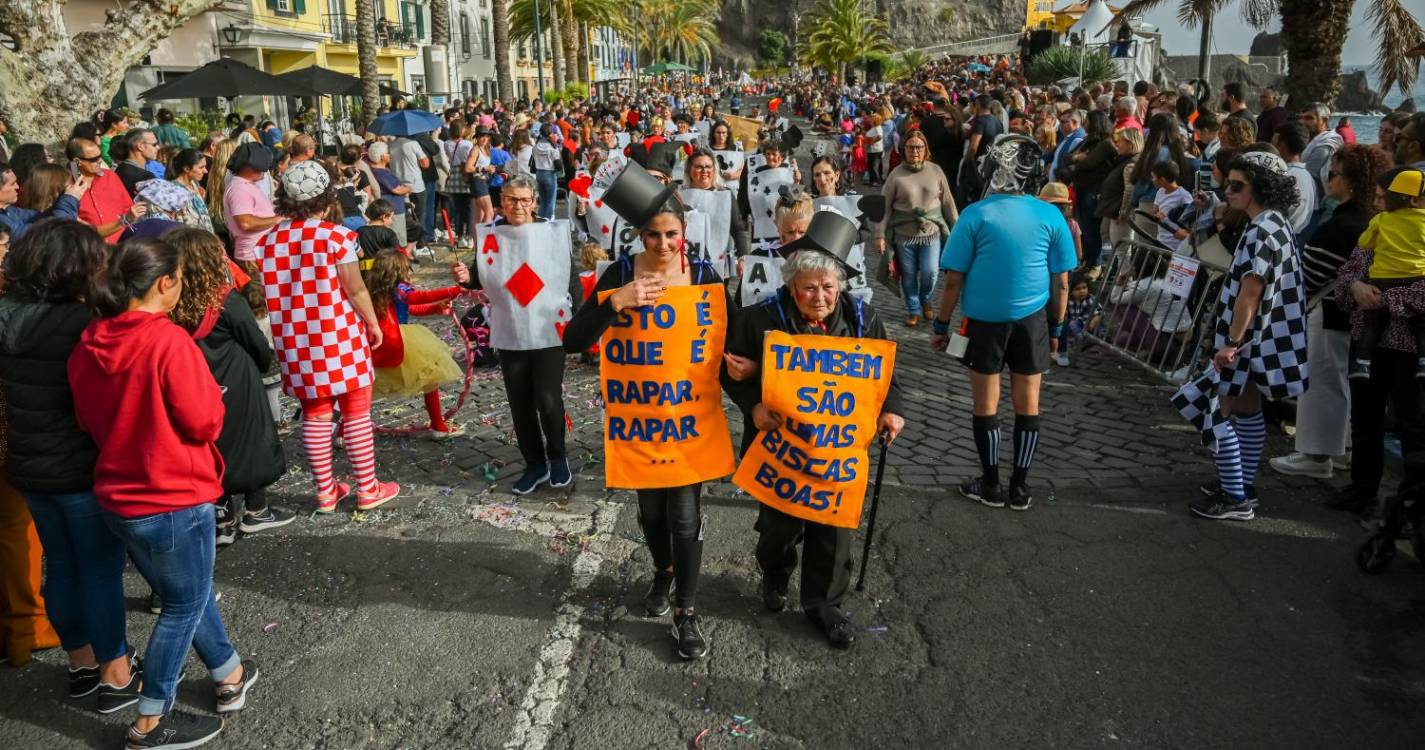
145 394
406 301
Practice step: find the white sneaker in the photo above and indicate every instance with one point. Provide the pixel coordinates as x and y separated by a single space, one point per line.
1302 465
1061 359
1342 462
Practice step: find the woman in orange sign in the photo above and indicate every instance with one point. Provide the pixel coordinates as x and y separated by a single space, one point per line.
813 301
671 517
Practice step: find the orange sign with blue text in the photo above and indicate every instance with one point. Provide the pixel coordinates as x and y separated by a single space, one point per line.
829 391
664 425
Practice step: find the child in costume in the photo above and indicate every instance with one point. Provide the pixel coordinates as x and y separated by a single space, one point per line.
411 361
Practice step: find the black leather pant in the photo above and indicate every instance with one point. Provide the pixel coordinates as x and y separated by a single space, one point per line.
672 522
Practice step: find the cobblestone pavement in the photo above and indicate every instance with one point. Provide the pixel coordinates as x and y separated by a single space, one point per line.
1107 616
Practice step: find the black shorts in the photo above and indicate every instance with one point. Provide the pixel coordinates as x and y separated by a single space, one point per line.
1022 344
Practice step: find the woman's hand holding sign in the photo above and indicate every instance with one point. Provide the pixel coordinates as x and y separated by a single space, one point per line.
765 419
739 368
645 290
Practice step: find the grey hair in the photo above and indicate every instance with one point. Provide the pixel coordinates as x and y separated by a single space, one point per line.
522 181
813 261
1319 109
1128 104
1104 102
135 135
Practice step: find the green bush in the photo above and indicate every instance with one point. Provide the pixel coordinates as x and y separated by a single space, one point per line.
199 123
575 90
1058 63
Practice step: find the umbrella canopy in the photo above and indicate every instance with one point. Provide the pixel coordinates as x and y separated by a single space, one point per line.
978 68
332 83
405 122
668 67
227 77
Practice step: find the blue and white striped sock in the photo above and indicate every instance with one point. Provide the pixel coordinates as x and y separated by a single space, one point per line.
1252 439
1229 465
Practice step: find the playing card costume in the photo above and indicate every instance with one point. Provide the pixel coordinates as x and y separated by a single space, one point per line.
826 554
671 517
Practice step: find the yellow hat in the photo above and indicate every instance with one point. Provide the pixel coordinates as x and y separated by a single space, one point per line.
1055 192
1409 182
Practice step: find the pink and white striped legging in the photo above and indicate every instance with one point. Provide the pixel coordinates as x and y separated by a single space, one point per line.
356 433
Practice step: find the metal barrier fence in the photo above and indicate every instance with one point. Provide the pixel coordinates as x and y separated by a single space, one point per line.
1159 308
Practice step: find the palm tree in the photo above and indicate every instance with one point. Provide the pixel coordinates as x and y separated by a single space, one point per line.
913 59
440 37
1313 34
841 34
504 80
366 58
551 16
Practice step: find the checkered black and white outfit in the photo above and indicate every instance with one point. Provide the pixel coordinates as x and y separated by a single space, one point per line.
1274 355
320 341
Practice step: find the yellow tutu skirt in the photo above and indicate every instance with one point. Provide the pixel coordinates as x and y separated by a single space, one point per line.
427 366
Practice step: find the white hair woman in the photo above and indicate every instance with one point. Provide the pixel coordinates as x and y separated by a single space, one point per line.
813 300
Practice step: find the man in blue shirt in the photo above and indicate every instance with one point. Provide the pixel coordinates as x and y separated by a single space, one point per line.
1072 131
1008 258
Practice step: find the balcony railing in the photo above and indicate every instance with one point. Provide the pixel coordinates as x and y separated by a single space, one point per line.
343 30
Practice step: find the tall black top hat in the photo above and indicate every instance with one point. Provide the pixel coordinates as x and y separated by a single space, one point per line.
637 195
831 233
660 157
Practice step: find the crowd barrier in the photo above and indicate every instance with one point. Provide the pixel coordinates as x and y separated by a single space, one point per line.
1159 308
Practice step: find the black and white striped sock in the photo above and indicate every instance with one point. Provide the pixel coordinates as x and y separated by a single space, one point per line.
986 431
1026 440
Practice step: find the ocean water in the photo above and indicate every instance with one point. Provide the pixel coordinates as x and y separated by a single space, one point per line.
1367 127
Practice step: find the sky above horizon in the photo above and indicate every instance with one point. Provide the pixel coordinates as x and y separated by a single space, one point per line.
1232 35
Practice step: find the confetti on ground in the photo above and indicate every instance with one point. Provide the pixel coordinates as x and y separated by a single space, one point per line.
877 629
269 628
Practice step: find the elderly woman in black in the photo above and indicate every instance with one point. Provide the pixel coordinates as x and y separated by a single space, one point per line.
813 301
671 517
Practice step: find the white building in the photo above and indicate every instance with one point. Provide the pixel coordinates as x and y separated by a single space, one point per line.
472 50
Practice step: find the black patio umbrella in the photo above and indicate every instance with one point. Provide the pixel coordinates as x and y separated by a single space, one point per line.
228 78
332 83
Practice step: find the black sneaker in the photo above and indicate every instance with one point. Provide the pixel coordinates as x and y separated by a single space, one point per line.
115 697
83 681
1359 369
1208 489
1350 499
531 479
774 595
559 473
155 604
233 697
1019 497
689 635
1222 507
267 518
227 534
657 601
1420 368
177 730
986 494
835 625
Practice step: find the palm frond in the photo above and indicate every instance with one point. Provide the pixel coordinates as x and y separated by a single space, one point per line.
1398 32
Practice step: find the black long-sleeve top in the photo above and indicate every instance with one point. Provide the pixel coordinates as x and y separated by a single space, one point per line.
594 317
780 314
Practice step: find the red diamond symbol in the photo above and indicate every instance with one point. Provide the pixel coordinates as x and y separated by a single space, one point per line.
525 284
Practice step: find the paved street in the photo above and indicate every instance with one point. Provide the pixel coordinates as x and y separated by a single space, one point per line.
1106 616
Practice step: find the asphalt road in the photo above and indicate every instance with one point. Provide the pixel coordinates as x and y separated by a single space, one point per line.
1106 616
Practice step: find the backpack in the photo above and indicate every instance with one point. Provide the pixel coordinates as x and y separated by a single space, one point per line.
477 326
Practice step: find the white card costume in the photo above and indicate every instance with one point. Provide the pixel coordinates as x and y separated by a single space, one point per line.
715 244
524 271
761 276
762 196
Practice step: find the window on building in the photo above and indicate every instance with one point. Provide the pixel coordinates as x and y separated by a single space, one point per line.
523 50
485 46
464 33
282 6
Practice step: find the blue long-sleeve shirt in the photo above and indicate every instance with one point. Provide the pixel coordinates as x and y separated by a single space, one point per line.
17 219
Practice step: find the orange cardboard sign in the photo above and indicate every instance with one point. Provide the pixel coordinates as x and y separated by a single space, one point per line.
829 391
663 420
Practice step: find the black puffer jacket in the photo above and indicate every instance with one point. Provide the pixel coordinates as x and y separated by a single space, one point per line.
48 451
237 353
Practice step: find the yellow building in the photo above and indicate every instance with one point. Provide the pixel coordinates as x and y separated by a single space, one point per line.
280 36
1038 14
1065 18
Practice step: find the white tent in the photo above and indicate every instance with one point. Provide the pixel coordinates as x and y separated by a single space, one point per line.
1093 26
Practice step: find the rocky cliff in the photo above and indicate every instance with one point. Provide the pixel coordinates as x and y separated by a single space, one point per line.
913 23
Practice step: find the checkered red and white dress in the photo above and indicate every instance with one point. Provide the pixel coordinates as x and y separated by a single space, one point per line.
321 342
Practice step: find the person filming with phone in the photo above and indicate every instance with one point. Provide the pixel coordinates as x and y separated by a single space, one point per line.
1010 255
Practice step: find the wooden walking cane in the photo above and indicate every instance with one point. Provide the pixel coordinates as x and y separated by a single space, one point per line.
875 503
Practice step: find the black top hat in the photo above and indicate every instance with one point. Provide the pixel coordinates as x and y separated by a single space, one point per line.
253 155
637 195
831 233
660 157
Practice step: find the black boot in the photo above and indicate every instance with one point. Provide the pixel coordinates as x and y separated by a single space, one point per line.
835 625
656 602
774 594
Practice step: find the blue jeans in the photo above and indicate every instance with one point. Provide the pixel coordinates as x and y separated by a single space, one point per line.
177 548
548 191
918 265
84 572
432 198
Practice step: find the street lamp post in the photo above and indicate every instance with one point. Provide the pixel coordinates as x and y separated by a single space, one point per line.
538 51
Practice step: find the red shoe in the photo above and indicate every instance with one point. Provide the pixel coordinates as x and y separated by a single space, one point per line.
327 503
385 493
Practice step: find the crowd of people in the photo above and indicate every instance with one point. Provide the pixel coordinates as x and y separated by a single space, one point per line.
160 292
